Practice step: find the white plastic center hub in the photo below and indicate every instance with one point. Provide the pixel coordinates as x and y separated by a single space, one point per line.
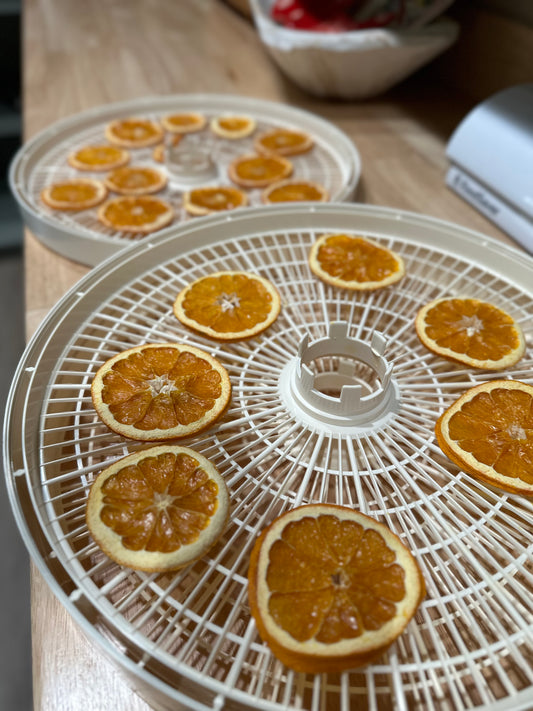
190 165
359 404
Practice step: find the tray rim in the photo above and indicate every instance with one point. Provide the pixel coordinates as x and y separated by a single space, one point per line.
91 247
30 360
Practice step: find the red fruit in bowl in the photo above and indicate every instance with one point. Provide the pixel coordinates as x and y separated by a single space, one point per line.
312 15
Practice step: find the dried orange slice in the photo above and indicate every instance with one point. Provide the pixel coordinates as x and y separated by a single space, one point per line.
134 132
135 180
295 191
284 142
160 151
184 122
160 391
136 213
99 158
258 171
228 306
330 589
78 194
158 509
488 432
232 126
354 262
203 201
470 331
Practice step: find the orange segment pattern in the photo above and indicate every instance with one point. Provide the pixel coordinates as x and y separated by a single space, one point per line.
355 259
99 156
233 123
214 199
75 192
160 388
295 192
134 130
135 179
496 427
159 504
331 580
228 303
137 211
284 141
261 169
472 327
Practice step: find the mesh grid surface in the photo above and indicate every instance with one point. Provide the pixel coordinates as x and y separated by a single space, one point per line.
471 642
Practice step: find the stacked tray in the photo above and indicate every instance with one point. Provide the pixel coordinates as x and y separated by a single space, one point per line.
188 637
333 162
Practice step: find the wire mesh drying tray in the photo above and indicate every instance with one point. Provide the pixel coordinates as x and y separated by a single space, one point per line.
333 162
188 638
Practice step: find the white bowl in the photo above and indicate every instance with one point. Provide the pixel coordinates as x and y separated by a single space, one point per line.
350 65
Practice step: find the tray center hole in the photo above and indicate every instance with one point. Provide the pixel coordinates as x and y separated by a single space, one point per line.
332 373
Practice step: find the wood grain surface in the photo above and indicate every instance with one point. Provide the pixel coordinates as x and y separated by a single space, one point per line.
79 55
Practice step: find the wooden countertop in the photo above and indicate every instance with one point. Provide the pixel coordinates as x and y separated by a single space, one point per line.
81 55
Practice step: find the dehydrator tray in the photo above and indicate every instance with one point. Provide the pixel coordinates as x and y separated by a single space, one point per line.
188 638
333 162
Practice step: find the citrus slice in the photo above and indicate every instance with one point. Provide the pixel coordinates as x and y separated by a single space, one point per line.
134 132
160 391
77 194
203 201
228 306
136 213
184 122
233 127
470 331
258 171
159 153
330 589
99 158
295 191
158 509
135 180
488 432
354 262
284 142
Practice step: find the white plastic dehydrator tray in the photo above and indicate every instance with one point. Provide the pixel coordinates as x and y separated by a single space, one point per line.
333 162
188 638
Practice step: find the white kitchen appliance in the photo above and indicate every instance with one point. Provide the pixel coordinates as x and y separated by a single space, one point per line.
491 155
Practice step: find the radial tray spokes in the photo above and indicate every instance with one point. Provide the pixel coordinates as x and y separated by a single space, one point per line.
199 159
290 437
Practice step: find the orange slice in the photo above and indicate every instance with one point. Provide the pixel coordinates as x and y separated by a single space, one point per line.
203 201
135 180
258 171
488 432
354 262
158 509
134 132
295 191
470 331
160 391
184 122
77 194
233 127
284 142
330 589
141 213
228 305
99 158
160 151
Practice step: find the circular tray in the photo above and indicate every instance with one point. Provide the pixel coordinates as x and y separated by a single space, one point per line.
189 637
333 162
